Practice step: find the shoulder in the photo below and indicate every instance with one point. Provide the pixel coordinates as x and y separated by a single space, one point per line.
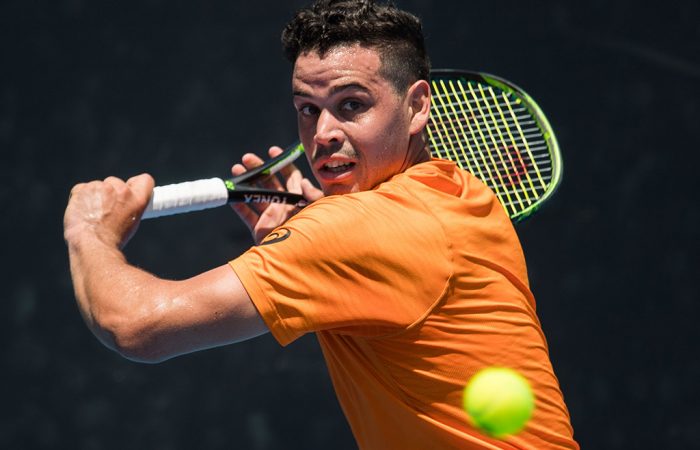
379 224
412 201
380 209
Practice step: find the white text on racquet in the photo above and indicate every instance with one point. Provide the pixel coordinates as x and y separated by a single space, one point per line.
259 198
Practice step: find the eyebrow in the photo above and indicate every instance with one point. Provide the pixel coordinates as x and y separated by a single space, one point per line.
334 89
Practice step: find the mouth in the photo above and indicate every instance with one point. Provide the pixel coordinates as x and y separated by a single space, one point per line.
334 168
337 166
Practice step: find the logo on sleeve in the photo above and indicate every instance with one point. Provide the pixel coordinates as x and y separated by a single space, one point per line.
278 235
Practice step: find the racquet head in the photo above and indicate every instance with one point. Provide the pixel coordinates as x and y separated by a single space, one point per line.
493 129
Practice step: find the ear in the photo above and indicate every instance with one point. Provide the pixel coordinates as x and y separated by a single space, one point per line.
419 104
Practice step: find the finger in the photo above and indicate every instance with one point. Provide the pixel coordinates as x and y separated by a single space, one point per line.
117 183
274 151
76 189
269 182
287 171
114 181
294 182
238 169
251 161
248 161
311 192
113 187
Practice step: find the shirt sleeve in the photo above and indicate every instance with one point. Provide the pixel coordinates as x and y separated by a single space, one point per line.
366 264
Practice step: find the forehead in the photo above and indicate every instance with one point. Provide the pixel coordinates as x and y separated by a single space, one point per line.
339 65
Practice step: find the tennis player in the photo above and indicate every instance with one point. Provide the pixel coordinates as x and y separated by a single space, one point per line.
406 267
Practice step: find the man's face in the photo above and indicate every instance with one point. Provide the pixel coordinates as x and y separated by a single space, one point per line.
353 124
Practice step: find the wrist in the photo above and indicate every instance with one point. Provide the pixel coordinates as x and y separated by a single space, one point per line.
85 236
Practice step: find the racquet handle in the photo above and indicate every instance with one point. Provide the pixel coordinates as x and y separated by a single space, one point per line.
186 197
211 193
214 192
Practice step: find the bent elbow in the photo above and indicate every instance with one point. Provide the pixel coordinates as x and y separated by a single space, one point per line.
134 338
138 346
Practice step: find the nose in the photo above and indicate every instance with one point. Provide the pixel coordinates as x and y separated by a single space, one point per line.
328 130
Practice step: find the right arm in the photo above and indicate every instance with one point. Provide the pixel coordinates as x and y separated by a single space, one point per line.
139 315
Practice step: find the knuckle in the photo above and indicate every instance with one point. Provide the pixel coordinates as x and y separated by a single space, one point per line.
141 176
116 184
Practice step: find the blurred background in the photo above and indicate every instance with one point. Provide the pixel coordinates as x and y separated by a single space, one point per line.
182 89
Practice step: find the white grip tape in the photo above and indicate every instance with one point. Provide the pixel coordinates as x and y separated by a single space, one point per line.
185 197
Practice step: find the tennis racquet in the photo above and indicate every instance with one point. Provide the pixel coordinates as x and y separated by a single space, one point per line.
484 123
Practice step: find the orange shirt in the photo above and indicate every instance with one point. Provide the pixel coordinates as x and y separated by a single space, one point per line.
411 288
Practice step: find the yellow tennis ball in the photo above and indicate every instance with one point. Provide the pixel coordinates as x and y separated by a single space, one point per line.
499 401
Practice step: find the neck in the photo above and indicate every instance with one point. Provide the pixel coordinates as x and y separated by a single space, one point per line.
418 152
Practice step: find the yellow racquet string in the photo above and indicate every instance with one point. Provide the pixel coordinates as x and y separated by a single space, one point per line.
490 128
438 123
484 122
515 145
454 134
494 185
456 119
520 185
468 119
529 151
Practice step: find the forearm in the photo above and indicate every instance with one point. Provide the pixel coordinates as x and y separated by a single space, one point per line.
148 319
115 299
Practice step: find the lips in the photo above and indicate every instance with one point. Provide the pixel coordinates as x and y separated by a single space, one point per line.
334 168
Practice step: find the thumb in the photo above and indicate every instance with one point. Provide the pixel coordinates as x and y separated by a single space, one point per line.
142 187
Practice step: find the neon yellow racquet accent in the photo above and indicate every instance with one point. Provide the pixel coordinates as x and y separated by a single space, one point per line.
493 129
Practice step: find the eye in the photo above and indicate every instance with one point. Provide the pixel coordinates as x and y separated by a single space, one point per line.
308 110
350 105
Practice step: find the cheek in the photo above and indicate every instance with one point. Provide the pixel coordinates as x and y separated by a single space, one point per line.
302 128
381 135
306 136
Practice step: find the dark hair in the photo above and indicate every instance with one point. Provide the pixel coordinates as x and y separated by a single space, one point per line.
396 34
